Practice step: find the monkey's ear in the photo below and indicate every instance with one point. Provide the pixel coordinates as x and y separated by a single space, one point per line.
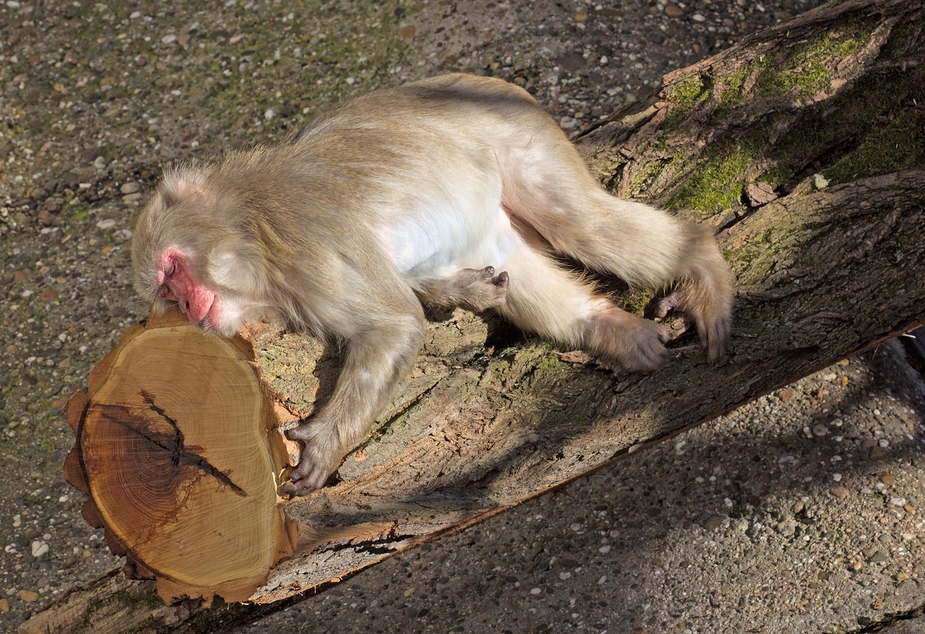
184 187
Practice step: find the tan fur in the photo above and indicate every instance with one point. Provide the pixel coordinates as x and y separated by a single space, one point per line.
404 196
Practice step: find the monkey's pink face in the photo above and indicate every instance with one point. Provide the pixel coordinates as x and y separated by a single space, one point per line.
176 282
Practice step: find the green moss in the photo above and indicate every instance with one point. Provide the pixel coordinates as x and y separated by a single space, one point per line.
897 146
718 184
730 87
809 68
876 129
643 177
686 93
636 300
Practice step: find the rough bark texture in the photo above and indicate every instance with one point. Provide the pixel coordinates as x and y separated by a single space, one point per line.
803 146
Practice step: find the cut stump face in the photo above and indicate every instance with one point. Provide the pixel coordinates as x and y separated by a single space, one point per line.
178 453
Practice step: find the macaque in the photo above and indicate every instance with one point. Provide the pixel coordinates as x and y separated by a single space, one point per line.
413 195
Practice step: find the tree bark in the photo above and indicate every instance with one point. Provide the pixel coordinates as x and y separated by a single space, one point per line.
802 146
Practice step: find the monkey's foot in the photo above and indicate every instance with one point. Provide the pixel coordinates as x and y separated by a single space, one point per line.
485 289
473 289
637 344
712 316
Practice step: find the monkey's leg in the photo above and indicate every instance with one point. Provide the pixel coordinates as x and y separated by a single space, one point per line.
379 354
555 303
472 289
552 191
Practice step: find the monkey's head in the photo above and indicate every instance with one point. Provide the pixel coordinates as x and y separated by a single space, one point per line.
188 250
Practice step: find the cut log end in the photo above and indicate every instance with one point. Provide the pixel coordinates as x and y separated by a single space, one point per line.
179 453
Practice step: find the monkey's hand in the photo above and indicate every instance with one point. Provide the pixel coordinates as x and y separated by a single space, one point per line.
321 454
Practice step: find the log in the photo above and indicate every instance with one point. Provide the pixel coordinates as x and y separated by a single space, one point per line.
802 146
178 452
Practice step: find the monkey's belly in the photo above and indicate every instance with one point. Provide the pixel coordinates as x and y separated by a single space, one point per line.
442 243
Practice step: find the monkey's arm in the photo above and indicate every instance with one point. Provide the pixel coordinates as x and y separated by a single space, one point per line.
381 347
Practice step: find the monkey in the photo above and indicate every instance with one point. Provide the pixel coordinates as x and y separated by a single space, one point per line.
403 196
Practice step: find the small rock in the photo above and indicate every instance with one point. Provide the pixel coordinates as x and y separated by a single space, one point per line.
109 223
673 11
787 393
130 187
878 557
820 430
28 595
169 39
39 548
4 605
713 522
820 181
840 492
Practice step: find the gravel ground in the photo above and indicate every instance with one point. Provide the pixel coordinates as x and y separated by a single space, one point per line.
795 513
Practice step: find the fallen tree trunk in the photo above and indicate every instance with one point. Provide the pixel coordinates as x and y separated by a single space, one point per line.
803 146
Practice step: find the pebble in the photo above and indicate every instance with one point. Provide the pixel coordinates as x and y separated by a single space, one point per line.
109 223
28 595
39 548
673 10
713 522
130 187
840 492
